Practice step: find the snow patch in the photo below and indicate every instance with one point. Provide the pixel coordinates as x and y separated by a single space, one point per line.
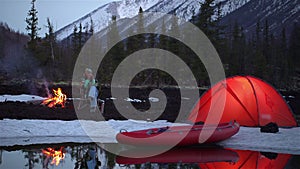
134 100
24 132
153 99
20 98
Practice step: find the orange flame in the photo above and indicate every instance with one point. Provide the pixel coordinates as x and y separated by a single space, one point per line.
57 156
58 99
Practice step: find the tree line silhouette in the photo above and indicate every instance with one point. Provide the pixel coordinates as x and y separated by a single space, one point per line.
261 54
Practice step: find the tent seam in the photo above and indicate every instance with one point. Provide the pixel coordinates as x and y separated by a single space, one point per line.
256 99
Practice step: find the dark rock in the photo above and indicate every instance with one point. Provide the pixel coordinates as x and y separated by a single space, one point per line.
269 128
199 123
269 155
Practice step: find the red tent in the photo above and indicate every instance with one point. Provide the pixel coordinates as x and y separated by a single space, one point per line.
248 100
250 159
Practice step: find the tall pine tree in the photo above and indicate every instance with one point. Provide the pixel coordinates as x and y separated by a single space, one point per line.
211 27
258 37
205 22
91 31
294 52
266 41
50 38
80 37
237 52
75 41
32 26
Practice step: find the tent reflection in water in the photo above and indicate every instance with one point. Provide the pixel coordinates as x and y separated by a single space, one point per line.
249 100
208 158
253 160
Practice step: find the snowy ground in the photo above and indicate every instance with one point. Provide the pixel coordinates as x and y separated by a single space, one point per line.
285 141
25 132
20 98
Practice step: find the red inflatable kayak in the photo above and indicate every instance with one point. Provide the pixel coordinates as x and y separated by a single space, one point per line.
179 135
182 155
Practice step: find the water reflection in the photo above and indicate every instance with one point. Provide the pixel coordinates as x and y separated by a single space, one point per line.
91 156
75 156
179 155
55 155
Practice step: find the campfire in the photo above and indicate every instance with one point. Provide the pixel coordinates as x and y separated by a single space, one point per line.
57 155
58 99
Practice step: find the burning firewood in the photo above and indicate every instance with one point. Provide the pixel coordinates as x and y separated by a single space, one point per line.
58 99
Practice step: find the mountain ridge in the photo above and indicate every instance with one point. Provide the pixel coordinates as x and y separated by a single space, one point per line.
280 13
185 9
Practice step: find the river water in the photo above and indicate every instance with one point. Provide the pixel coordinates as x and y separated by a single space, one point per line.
91 156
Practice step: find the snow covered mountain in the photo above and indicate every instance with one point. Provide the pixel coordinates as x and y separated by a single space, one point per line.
279 14
101 17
